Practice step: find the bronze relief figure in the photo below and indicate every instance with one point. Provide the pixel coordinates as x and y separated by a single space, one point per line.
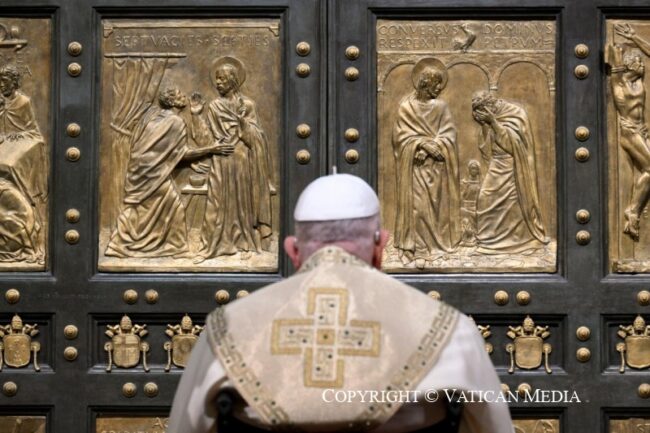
191 184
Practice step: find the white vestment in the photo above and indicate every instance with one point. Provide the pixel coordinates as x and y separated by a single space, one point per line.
338 325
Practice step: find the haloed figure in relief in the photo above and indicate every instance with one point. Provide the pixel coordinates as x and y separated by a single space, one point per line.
424 143
238 210
151 222
23 188
508 212
628 91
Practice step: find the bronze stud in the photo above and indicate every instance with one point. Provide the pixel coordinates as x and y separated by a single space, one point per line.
74 69
74 48
583 216
582 154
130 296
129 390
581 51
434 294
72 237
352 52
9 389
151 296
150 389
303 130
643 297
352 134
12 296
583 237
242 294
583 354
583 333
73 154
72 216
222 296
303 156
70 332
505 388
70 353
523 389
303 70
351 73
303 49
523 297
644 390
581 72
501 297
352 156
73 129
582 133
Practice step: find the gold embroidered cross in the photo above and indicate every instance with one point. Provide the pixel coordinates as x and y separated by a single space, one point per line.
325 337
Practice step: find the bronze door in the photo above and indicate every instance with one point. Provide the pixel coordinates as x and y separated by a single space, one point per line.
506 140
107 298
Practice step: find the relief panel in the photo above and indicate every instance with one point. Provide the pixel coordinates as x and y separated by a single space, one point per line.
131 424
466 130
626 52
25 106
536 425
630 425
23 424
190 127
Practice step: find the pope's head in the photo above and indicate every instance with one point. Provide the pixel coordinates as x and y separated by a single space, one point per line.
340 210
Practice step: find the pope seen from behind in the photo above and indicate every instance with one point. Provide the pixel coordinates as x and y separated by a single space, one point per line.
276 359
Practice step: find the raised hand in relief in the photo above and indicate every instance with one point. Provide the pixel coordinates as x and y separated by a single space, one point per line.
196 103
624 30
222 149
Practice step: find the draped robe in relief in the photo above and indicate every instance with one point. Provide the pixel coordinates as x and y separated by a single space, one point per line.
508 212
23 162
428 200
238 208
152 220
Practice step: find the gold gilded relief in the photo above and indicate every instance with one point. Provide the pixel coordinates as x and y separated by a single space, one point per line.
17 349
25 86
183 338
528 348
131 424
627 48
466 114
630 425
635 350
536 425
126 345
189 143
23 424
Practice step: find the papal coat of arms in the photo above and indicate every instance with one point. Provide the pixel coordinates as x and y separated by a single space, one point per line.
17 347
184 337
635 351
528 347
126 345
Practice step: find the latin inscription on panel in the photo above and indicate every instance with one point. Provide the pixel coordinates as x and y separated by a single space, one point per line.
136 424
630 425
537 425
627 51
189 143
25 86
466 118
22 424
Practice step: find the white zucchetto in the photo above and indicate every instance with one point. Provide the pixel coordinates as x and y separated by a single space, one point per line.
336 197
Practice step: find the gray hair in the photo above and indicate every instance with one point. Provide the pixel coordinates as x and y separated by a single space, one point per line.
359 233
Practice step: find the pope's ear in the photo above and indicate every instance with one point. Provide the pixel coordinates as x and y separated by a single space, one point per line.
291 248
379 248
